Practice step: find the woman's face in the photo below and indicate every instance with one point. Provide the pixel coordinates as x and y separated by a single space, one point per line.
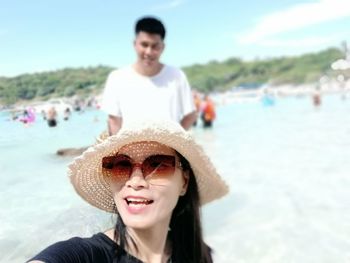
146 184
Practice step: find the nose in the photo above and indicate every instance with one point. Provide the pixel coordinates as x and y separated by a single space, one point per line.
136 180
148 50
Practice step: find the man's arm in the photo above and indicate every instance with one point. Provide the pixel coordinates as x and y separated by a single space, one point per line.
188 120
114 124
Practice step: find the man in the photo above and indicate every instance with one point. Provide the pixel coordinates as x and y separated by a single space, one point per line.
51 116
148 89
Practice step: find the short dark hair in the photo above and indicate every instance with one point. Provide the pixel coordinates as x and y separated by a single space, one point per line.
150 25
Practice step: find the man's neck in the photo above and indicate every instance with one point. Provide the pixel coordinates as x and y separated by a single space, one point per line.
148 71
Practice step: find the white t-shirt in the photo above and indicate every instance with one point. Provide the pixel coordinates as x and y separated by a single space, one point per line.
132 96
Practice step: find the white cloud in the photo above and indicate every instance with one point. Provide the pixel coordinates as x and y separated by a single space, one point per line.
296 17
302 42
168 5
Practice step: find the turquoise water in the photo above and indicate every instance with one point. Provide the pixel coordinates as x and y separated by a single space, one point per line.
287 166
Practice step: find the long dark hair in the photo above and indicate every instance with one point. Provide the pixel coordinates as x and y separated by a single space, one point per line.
186 229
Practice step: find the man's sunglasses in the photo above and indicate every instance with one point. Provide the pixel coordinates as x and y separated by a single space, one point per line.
120 167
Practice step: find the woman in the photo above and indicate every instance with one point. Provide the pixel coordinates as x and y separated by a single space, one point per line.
155 178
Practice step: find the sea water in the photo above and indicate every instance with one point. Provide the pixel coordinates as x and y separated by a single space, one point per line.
287 166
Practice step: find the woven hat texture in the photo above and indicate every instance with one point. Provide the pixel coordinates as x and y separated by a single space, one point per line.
86 170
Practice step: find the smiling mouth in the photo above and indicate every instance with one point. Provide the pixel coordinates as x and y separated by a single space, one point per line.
138 202
148 59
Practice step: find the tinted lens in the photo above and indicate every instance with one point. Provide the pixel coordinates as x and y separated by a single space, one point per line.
158 165
119 166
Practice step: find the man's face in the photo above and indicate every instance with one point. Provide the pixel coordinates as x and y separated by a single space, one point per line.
149 48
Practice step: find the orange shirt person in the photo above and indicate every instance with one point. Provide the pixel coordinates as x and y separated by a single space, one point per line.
208 112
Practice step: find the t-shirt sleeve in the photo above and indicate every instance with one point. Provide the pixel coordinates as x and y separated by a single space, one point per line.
110 100
74 250
187 102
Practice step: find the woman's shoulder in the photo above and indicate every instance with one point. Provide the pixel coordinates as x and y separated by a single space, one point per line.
98 248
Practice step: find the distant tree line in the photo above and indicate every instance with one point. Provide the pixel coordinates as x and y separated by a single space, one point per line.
66 82
213 76
220 76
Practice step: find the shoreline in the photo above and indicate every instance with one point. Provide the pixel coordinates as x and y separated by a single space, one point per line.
281 91
236 94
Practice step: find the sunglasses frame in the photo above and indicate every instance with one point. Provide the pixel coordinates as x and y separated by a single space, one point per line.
152 172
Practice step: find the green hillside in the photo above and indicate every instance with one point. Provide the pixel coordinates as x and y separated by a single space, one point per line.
234 72
66 82
206 77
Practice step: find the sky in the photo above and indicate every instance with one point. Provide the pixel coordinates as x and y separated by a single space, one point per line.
46 35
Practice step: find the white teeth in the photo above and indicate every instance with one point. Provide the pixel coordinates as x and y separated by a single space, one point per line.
135 201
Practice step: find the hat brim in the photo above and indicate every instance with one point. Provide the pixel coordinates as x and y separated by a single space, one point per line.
86 170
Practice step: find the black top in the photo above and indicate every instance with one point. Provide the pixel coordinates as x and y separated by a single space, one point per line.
97 249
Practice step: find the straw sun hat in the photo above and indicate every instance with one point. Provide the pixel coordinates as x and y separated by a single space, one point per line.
86 170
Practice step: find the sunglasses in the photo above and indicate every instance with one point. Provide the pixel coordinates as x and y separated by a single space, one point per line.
120 166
